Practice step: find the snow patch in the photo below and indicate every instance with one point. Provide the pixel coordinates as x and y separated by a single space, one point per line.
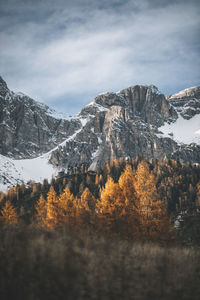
36 169
197 132
84 121
98 106
16 171
183 130
99 140
95 159
95 153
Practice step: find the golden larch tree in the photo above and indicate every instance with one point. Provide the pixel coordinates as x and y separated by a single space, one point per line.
126 183
66 208
9 215
86 209
154 221
41 211
111 206
51 209
87 201
131 217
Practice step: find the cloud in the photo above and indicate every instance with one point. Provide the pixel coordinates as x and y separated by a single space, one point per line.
60 50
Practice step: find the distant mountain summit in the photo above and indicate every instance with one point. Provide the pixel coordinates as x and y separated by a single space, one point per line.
138 120
190 93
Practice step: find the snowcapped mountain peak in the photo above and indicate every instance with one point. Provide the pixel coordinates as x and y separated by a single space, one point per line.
187 93
36 141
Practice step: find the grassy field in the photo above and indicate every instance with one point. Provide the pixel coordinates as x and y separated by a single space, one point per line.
37 264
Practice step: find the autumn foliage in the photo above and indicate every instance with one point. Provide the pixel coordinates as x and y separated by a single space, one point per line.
9 215
129 208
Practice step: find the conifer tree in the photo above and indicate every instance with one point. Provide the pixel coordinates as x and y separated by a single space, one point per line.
22 188
66 208
9 214
45 186
126 183
131 217
145 184
86 209
52 209
87 201
111 206
41 210
154 221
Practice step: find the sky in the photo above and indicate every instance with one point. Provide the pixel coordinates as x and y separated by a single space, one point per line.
63 53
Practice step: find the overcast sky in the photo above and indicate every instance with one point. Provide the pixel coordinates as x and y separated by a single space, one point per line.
64 53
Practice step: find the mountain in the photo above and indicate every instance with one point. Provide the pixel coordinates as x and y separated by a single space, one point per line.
29 128
36 142
136 121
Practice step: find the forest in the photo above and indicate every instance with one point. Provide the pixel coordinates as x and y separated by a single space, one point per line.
127 230
134 199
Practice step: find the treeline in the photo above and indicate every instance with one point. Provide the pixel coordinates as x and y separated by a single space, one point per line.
129 208
177 184
127 198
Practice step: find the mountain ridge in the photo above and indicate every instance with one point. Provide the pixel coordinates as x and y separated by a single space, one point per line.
138 120
29 128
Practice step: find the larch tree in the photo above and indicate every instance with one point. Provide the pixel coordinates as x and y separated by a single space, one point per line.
111 206
66 208
9 215
86 209
41 211
126 183
52 209
131 204
154 221
87 201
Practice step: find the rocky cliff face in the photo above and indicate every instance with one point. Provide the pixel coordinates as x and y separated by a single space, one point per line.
136 121
187 102
126 124
28 128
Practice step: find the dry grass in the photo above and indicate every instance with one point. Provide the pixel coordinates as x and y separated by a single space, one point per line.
37 264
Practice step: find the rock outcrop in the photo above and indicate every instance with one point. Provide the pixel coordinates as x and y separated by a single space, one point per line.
187 102
29 128
125 124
